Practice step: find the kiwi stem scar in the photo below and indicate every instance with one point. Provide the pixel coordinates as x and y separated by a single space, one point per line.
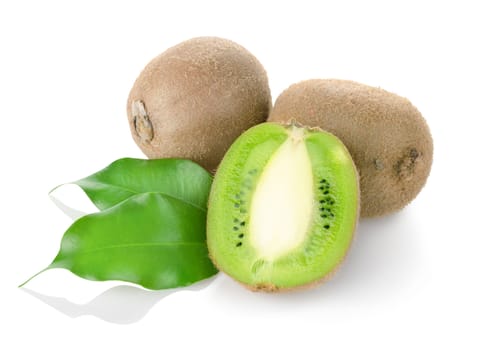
142 124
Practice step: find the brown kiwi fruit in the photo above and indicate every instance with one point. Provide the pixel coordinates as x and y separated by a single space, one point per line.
386 135
193 100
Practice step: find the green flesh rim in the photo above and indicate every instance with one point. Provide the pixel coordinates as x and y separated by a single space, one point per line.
283 207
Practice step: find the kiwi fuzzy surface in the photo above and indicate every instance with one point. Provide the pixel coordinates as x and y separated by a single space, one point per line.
193 100
283 207
387 136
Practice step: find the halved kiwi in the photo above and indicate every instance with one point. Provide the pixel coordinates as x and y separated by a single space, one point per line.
283 207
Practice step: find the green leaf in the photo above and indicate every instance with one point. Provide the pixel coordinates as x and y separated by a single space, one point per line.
178 178
150 239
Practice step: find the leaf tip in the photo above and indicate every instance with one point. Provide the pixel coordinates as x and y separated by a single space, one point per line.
32 277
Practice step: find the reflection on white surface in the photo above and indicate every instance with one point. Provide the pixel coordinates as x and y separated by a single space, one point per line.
70 212
385 260
122 304
385 264
72 201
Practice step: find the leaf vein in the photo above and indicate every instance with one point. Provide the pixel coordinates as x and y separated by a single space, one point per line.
80 182
138 245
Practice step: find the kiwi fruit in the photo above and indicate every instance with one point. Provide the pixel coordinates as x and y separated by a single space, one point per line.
386 135
193 100
283 207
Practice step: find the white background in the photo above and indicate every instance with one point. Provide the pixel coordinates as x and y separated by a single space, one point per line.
416 279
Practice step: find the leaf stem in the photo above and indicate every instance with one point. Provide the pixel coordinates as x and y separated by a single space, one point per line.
21 285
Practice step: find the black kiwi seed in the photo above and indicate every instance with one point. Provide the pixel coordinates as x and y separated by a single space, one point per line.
240 235
235 228
329 200
242 223
239 244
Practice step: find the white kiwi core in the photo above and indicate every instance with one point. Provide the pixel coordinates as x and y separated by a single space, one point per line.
282 204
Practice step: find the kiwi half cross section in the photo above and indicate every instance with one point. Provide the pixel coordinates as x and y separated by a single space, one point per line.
283 207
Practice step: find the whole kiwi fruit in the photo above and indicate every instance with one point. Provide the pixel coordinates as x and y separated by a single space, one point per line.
386 135
193 100
283 207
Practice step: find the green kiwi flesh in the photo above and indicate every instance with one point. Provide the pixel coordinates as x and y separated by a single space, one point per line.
283 207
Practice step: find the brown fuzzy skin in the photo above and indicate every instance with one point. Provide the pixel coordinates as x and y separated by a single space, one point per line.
386 135
199 95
